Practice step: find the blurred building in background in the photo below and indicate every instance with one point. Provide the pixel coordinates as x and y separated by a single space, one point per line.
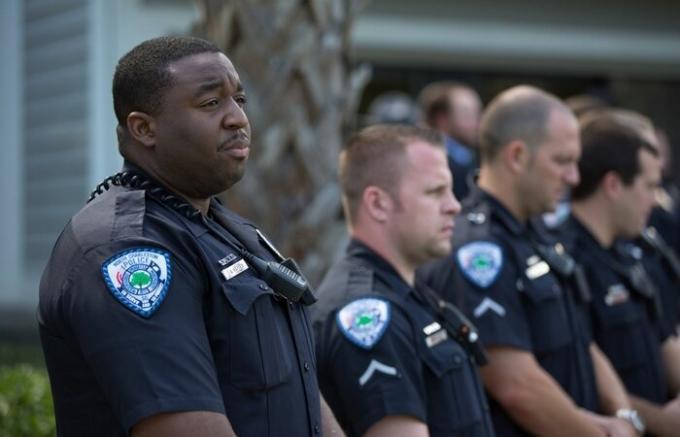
58 58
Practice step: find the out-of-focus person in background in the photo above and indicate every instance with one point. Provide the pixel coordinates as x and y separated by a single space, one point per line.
620 171
393 359
656 245
454 109
545 375
665 216
392 107
579 104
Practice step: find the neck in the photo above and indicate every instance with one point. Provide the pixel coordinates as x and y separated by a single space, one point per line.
499 185
593 214
383 247
202 205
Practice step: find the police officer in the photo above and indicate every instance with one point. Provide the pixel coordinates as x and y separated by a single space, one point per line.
162 312
523 293
394 359
620 170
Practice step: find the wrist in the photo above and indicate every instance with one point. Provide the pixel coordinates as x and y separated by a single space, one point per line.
632 417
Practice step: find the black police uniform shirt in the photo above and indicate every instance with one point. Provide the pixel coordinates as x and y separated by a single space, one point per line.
515 298
381 352
663 265
665 217
623 321
144 309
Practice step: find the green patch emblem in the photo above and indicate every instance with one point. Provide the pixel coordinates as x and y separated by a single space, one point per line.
363 321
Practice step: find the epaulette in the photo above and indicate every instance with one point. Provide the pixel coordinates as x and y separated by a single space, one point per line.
474 222
360 278
365 316
655 241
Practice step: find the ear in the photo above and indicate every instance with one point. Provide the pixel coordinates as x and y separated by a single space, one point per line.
517 155
142 127
611 184
377 203
440 122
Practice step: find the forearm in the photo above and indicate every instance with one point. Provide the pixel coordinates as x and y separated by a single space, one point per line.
330 425
547 412
184 424
532 397
670 351
611 392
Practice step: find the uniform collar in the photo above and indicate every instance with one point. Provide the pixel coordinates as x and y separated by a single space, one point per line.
497 209
381 267
583 234
197 225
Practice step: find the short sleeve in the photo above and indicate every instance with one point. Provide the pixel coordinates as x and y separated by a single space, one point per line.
371 383
145 363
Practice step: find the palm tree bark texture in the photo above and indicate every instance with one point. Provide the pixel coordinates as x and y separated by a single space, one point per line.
293 57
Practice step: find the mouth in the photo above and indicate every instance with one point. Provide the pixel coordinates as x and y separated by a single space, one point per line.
238 146
448 229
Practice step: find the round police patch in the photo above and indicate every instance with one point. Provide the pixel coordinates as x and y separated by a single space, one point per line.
363 321
139 278
480 262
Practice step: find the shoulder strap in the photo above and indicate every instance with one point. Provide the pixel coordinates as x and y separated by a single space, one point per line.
656 241
455 323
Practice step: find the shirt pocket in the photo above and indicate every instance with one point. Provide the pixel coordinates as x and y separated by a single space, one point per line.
453 394
622 336
260 345
546 314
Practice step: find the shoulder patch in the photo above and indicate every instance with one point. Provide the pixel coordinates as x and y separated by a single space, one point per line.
364 321
480 262
139 278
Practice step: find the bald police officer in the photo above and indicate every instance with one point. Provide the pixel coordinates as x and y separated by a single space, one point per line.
545 376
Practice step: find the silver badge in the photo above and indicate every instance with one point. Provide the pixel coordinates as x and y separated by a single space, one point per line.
235 269
537 270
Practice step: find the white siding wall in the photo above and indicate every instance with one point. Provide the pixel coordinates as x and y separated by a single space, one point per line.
58 123
11 105
55 124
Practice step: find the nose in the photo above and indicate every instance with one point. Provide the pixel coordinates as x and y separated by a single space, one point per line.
235 117
451 204
572 176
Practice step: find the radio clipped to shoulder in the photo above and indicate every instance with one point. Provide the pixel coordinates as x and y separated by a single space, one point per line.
283 277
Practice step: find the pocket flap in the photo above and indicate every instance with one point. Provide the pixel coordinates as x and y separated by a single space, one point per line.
543 288
243 290
443 357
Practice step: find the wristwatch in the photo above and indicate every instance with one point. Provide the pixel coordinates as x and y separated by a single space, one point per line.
632 417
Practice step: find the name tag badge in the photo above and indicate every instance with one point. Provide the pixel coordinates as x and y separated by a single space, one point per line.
432 328
436 338
537 270
235 269
616 295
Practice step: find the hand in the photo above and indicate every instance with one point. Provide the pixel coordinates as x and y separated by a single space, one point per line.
615 427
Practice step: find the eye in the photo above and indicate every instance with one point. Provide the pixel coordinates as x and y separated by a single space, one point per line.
438 191
241 100
210 103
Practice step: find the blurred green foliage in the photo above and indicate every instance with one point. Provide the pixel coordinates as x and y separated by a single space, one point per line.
25 402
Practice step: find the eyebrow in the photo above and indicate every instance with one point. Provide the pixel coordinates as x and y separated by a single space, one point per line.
213 84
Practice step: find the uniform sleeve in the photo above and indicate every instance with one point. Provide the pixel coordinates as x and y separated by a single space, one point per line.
371 383
483 278
145 363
